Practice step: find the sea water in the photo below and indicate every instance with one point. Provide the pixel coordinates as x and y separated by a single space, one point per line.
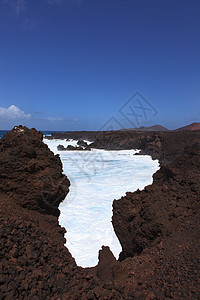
97 177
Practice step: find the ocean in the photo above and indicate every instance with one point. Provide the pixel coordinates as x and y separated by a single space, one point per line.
2 132
45 132
97 177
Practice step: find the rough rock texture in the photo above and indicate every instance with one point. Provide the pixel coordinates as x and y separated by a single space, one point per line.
164 146
82 143
30 173
34 263
145 218
71 148
158 228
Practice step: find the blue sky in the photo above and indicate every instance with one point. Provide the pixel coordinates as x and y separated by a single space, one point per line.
73 64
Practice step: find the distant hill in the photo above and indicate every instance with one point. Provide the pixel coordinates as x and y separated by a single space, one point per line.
150 128
153 128
191 127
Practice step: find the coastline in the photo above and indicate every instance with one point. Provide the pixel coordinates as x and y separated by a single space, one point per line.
160 243
97 177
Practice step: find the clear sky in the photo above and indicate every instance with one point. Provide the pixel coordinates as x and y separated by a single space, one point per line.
74 64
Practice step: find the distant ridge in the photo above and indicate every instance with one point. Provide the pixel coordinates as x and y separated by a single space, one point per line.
150 128
190 127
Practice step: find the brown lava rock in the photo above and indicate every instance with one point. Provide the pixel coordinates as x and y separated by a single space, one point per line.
158 228
143 218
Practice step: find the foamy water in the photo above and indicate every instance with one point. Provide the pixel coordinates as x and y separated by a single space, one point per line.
97 178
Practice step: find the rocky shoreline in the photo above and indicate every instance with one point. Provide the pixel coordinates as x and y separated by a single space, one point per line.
164 146
158 227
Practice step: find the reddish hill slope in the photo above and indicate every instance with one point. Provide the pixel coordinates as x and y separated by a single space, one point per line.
150 128
190 127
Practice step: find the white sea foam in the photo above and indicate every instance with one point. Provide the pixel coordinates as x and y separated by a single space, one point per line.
97 178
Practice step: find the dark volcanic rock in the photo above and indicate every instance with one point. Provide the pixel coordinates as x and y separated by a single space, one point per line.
82 143
34 264
60 148
71 148
144 218
164 146
158 227
30 173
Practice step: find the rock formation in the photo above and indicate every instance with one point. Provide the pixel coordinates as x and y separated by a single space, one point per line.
158 228
71 148
30 174
144 218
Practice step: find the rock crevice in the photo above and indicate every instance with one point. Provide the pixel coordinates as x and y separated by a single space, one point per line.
158 227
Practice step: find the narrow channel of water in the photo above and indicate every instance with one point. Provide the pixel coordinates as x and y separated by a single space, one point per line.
97 178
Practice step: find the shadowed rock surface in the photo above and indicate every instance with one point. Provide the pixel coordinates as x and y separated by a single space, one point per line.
30 174
71 148
158 227
142 219
164 146
34 263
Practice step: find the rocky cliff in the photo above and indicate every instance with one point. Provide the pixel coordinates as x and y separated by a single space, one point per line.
164 146
158 228
30 174
144 218
34 263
